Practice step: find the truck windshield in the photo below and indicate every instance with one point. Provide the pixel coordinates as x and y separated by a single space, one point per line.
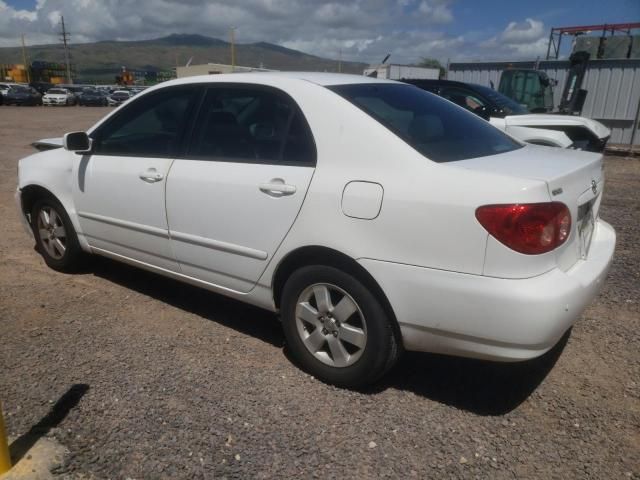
435 127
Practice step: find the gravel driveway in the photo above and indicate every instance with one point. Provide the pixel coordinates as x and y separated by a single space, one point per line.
142 377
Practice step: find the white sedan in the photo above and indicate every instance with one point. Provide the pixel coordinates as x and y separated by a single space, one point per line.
374 216
58 96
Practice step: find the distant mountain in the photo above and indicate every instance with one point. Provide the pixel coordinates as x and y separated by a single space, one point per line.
103 60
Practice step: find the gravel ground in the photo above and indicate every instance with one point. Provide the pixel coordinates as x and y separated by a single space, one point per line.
142 377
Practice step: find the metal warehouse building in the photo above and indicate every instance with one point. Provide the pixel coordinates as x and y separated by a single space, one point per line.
613 87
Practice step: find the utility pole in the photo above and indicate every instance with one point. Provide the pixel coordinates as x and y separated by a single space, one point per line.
64 36
233 49
24 60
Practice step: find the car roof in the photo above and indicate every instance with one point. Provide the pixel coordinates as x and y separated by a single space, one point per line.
319 78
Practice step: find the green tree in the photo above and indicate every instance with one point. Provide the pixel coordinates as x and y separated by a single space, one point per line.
432 63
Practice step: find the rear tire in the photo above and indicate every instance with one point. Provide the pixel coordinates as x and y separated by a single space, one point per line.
56 239
335 328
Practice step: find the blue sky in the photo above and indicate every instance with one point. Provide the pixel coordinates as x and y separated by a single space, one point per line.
362 30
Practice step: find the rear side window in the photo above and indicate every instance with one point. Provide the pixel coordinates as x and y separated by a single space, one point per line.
435 128
151 126
251 125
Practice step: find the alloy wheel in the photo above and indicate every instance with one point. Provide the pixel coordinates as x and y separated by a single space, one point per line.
53 235
331 325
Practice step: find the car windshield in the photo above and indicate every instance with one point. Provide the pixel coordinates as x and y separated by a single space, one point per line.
56 91
19 89
433 126
504 103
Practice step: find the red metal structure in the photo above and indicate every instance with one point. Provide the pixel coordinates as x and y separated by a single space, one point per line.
557 32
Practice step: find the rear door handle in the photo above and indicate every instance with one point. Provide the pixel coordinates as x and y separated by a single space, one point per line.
151 175
277 188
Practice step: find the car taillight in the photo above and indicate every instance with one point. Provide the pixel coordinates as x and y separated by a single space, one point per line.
530 228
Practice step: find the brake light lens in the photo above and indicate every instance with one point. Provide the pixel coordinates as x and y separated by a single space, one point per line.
530 228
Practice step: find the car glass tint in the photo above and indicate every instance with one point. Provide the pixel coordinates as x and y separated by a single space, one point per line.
251 125
299 146
502 102
148 127
431 125
464 98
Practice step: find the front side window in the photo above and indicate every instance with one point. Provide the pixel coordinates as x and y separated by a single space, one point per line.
430 124
464 98
249 124
151 126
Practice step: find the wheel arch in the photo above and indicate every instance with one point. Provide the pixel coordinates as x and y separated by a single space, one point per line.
319 255
30 194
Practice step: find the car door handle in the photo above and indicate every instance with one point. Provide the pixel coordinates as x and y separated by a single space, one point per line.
277 188
151 176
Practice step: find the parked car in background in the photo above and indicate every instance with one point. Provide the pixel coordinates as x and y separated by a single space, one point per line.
118 97
92 97
565 131
22 95
59 96
374 216
4 88
42 87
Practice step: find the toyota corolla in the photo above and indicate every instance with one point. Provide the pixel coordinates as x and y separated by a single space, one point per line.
373 216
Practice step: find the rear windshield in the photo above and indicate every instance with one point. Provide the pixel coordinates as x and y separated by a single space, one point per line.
435 127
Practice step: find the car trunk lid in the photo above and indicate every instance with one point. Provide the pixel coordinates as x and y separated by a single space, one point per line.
574 178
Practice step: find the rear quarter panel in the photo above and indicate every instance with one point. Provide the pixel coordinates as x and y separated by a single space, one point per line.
428 210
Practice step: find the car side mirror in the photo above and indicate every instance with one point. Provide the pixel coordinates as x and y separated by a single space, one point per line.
78 142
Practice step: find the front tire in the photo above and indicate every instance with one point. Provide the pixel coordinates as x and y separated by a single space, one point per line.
56 239
335 328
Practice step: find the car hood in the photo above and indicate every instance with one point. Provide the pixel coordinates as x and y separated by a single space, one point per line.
540 120
56 96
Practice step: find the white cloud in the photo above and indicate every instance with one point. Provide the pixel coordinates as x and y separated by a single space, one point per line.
362 30
518 41
524 32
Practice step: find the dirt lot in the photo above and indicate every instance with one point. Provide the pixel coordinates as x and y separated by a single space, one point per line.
142 377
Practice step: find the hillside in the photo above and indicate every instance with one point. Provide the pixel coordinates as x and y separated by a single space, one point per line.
104 59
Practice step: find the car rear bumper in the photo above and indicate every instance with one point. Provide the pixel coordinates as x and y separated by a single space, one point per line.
492 318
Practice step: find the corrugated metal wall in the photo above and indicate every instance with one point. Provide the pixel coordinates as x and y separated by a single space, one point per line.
613 87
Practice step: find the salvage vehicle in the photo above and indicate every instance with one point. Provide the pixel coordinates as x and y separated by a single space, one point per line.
553 130
118 97
373 216
92 97
22 95
4 88
58 96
